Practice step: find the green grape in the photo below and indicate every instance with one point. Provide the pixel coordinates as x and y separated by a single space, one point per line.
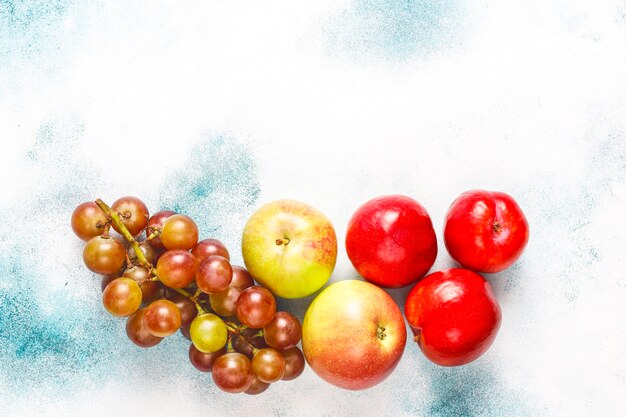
208 333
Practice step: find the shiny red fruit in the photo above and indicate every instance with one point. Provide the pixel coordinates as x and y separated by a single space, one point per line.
177 268
156 221
485 231
88 221
133 212
454 316
208 247
391 241
138 332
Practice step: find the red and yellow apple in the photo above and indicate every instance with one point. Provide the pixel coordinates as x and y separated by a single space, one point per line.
290 248
353 335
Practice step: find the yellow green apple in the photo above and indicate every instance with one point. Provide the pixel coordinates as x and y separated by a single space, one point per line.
353 334
290 248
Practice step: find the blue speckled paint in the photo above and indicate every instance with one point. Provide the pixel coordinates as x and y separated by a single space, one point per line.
29 336
218 183
473 390
561 229
29 27
392 29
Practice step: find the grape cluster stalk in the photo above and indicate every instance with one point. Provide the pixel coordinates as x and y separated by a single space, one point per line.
164 280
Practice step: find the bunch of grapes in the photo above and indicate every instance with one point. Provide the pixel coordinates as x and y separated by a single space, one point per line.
164 280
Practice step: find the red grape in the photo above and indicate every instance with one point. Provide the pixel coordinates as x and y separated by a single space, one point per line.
203 361
248 340
104 255
225 303
176 268
188 310
256 307
154 222
208 247
179 232
214 274
185 331
283 332
150 290
232 372
241 278
257 387
138 332
107 279
137 273
122 297
268 365
133 212
88 220
162 318
151 254
294 363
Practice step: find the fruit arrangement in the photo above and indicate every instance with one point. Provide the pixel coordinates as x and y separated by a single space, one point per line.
164 280
353 333
453 313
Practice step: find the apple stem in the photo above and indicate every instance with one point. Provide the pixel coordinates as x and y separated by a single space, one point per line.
284 241
417 338
496 227
380 332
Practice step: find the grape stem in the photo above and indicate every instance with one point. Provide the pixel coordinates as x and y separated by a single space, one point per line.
243 339
154 232
128 261
193 298
115 218
107 227
235 331
233 328
229 347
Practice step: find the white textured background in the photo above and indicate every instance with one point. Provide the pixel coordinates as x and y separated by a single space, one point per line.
331 103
